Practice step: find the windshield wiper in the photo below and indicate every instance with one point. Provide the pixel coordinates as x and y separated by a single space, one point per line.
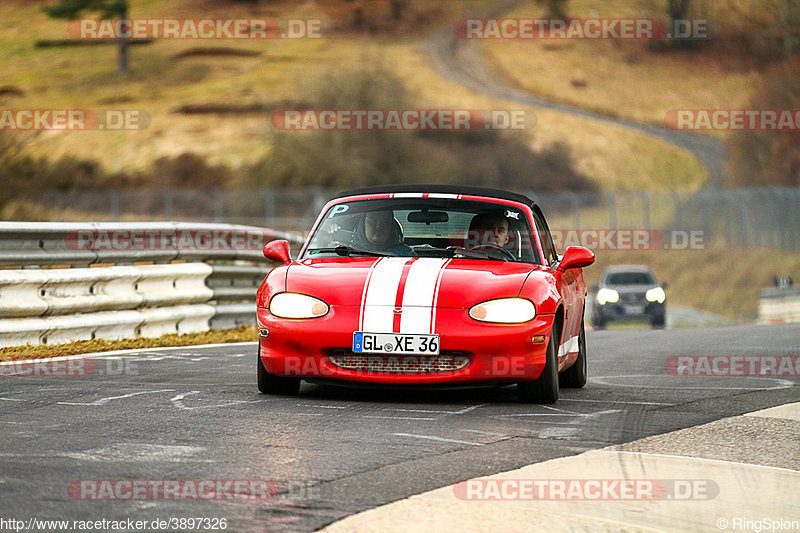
454 251
346 251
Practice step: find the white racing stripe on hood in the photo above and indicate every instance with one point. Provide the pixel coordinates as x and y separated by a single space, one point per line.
419 295
377 306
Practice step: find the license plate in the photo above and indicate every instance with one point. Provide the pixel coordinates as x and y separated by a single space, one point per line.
396 343
634 309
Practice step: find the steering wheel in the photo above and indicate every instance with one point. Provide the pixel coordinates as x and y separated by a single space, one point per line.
494 248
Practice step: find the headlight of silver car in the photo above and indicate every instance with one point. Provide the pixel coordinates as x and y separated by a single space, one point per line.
605 296
295 305
655 294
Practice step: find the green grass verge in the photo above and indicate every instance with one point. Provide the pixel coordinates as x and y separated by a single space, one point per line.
14 353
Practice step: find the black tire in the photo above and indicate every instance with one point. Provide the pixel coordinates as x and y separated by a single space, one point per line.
575 376
271 384
545 388
657 322
598 323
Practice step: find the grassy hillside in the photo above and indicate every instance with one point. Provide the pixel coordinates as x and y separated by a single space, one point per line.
627 79
164 79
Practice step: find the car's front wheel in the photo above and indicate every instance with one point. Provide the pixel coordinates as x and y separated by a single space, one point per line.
272 384
575 376
657 322
545 388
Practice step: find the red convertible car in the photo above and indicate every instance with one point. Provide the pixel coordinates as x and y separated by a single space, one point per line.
425 286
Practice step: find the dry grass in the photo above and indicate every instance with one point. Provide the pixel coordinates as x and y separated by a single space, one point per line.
15 353
77 77
615 158
623 79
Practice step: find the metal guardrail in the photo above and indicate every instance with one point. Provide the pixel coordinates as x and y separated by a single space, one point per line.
63 282
742 217
35 244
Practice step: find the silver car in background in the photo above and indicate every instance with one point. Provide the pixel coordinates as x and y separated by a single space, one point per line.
626 293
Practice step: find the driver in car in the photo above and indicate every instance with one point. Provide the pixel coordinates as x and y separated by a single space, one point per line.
488 229
382 232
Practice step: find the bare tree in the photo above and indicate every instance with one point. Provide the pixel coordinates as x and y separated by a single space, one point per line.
72 9
678 10
556 9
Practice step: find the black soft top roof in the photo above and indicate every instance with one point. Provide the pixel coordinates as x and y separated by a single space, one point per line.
442 189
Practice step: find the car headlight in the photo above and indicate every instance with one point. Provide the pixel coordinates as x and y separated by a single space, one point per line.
605 296
504 310
294 305
655 294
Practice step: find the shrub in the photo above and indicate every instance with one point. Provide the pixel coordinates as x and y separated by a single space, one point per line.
344 159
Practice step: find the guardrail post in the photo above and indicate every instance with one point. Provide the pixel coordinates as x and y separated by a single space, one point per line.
676 199
113 204
706 216
219 205
576 211
645 209
612 210
169 203
269 207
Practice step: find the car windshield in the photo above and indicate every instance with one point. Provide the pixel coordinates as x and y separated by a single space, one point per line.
425 227
630 278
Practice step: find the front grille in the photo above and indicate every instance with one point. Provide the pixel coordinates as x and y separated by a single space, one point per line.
399 364
631 297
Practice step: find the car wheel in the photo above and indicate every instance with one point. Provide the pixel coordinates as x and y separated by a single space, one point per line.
575 376
657 322
545 388
271 384
598 323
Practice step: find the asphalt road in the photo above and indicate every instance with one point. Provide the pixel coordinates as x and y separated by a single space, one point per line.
195 413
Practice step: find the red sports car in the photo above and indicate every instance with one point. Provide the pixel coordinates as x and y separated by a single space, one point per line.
425 285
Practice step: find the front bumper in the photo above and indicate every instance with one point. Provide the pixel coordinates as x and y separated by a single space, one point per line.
501 353
622 312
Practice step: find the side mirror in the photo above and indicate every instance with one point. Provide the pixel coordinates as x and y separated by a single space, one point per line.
576 257
278 251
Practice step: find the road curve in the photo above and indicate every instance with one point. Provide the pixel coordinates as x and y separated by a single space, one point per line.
194 413
461 61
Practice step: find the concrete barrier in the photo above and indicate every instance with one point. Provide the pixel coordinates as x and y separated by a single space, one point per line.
779 305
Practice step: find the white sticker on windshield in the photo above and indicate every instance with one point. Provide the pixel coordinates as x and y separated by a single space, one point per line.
339 209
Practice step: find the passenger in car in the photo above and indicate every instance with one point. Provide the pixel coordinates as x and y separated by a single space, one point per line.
488 228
